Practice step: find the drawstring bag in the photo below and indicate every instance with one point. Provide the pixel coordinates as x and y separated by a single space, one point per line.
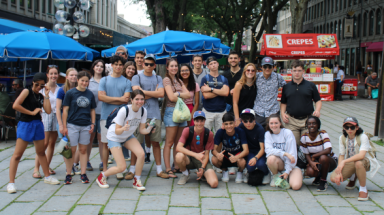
67 152
375 93
282 183
181 112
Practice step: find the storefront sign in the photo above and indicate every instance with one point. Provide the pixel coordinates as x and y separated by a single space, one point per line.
324 88
348 29
313 77
327 77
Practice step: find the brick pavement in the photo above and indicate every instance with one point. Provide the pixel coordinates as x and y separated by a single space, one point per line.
166 197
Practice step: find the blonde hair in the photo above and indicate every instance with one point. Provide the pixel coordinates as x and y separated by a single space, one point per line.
67 85
243 78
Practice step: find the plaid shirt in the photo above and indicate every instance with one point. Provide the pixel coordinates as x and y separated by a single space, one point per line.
267 89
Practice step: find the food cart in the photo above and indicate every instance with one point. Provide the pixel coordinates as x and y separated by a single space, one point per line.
312 48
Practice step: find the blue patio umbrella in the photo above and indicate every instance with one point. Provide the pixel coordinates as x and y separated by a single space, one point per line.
94 52
8 26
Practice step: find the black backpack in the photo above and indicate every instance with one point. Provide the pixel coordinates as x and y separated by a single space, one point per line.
113 114
191 133
255 178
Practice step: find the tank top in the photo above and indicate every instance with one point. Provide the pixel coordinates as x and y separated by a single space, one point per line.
247 97
30 103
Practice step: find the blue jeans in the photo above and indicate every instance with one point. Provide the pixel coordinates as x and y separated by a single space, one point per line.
338 87
261 164
125 152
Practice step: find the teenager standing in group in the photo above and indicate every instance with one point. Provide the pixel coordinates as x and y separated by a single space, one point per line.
198 74
49 120
185 73
174 89
114 90
98 72
30 128
79 119
215 91
152 86
233 74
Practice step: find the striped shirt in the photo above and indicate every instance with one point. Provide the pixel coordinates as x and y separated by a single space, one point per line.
320 143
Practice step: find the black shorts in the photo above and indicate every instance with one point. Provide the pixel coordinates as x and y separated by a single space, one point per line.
227 163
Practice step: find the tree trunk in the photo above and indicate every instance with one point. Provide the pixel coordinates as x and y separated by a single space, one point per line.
183 8
160 19
298 10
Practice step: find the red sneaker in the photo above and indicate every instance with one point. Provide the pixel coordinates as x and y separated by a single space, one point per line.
137 184
102 181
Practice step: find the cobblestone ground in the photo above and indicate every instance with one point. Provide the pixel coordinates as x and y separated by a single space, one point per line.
166 197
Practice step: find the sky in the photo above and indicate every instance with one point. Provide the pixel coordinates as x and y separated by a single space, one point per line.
133 13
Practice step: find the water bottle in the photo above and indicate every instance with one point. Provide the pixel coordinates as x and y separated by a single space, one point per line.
152 125
63 142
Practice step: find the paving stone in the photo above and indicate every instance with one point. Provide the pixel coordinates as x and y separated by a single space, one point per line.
51 213
216 212
285 202
151 213
248 203
369 208
377 197
126 193
96 195
89 209
332 200
40 192
345 192
220 191
341 210
216 203
241 188
284 213
330 190
185 197
375 213
120 206
158 186
268 188
184 211
60 203
191 183
23 181
76 188
306 202
156 203
7 198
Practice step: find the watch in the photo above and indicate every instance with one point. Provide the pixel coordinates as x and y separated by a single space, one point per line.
256 158
212 89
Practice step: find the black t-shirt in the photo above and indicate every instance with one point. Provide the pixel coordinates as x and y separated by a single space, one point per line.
232 82
254 137
30 103
299 98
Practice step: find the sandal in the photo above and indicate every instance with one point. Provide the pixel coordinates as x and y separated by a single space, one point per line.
52 172
177 171
38 175
171 174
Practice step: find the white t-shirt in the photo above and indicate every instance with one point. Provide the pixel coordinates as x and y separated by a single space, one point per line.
134 119
320 143
141 71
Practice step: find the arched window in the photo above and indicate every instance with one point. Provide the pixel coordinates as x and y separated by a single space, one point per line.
355 26
327 28
317 29
378 21
337 5
329 6
335 32
371 18
321 29
364 27
340 29
331 28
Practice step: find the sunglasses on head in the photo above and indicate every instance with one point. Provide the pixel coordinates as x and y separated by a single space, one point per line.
267 66
149 64
40 85
198 140
121 53
248 121
352 127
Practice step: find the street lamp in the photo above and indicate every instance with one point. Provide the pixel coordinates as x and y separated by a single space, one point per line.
71 24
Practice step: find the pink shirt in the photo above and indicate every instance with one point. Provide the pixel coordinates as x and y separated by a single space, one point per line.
190 100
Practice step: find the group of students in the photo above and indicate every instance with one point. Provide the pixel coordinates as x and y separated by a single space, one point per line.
236 117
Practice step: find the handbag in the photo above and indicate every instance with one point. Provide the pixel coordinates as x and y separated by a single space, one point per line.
375 93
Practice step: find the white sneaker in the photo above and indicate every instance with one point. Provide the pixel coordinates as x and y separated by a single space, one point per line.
11 188
120 176
137 184
51 180
272 184
267 178
218 170
225 177
245 178
239 178
232 170
183 179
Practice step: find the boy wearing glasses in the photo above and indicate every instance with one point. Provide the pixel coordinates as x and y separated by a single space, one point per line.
139 61
193 151
254 132
268 84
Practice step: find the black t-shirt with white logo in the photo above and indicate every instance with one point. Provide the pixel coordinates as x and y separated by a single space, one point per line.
33 101
80 104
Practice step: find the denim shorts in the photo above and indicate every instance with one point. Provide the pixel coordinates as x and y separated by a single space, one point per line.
358 72
112 144
97 127
168 121
30 131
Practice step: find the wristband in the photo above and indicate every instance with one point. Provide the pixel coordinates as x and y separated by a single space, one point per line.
179 94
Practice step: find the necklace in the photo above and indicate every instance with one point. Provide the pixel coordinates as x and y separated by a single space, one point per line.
233 73
38 103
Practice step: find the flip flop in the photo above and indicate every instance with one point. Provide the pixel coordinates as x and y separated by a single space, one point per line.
171 174
38 175
52 172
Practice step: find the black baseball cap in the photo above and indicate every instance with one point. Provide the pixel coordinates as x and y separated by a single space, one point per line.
211 59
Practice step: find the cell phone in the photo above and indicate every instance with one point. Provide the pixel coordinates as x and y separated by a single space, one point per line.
282 177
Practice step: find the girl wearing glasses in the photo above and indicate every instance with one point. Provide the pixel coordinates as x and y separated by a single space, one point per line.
245 91
30 128
174 88
49 120
185 73
354 157
317 148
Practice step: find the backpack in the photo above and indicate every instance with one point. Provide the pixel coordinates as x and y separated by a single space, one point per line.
255 178
207 78
113 114
190 136
371 152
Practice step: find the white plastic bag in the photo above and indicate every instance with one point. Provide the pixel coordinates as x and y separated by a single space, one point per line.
181 112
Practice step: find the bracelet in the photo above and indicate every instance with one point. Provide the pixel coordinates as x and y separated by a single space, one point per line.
46 97
179 94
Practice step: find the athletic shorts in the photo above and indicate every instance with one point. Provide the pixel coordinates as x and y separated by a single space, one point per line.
155 137
30 131
78 134
49 121
112 144
104 131
350 169
196 164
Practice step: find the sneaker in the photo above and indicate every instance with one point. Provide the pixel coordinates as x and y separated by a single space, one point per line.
225 177
11 188
272 183
76 169
102 181
239 178
162 174
101 166
110 159
120 176
267 178
183 179
358 82
316 182
351 185
232 170
89 166
147 157
137 184
128 158
245 178
84 179
322 186
129 176
218 170
51 180
68 179
369 97
363 196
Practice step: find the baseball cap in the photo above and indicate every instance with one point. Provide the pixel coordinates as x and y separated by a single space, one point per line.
351 120
267 60
198 114
150 56
248 111
121 48
211 59
40 76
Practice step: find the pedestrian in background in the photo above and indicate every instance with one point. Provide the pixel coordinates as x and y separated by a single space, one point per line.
339 83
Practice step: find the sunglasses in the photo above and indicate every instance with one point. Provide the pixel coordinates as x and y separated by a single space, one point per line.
267 66
121 53
197 55
352 127
149 64
40 85
198 140
52 66
250 70
248 121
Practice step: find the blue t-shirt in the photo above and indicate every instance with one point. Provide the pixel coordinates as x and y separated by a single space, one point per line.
254 137
60 94
232 144
113 87
217 104
80 105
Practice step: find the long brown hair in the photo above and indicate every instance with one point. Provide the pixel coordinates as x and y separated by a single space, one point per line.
129 63
92 71
267 128
167 73
67 85
243 78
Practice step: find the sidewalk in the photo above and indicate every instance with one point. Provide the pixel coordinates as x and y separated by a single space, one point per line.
164 196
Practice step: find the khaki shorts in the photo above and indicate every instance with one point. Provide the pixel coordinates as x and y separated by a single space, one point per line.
350 169
155 137
297 126
196 164
104 131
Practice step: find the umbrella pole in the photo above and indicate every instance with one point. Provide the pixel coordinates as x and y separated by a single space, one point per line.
40 66
25 73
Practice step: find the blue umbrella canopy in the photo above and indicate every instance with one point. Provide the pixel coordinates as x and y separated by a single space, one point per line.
8 26
43 44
